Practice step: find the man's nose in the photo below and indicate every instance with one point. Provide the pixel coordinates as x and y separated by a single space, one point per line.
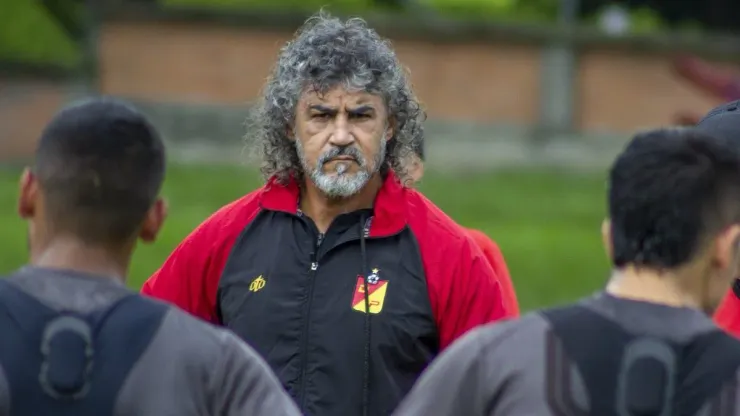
341 136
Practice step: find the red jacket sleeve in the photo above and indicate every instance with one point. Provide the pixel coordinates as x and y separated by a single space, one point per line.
727 316
496 259
190 275
466 292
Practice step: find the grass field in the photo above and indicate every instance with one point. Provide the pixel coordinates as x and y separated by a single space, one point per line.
546 223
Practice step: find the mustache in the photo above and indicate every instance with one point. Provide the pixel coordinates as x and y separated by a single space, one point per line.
352 152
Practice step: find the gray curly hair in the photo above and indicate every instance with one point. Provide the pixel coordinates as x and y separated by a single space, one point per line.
325 53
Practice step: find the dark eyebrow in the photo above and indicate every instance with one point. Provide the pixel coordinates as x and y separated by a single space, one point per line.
322 109
361 110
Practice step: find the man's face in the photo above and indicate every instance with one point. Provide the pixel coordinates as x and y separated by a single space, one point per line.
341 138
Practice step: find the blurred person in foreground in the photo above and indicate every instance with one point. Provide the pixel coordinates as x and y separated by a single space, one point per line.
724 121
646 345
348 282
75 340
489 248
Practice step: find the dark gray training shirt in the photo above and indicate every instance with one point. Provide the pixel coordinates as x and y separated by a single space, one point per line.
500 369
189 369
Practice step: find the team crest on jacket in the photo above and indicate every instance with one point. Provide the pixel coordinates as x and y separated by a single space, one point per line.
376 290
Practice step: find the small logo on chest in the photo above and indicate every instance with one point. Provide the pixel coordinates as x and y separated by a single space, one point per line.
376 289
257 284
373 279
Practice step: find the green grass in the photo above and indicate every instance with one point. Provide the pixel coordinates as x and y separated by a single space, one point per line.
546 223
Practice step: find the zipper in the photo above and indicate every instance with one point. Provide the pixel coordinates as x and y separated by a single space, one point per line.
304 353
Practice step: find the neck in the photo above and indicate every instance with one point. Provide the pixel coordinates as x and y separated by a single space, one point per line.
664 288
68 253
323 210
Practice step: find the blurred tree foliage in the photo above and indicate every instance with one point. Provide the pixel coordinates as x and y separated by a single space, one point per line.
516 10
355 6
531 11
30 33
643 18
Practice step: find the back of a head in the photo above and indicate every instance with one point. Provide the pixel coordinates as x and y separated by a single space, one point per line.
671 190
100 165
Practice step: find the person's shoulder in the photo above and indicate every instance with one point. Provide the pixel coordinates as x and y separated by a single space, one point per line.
195 337
512 344
239 210
477 234
481 238
216 353
430 222
205 346
220 368
230 220
508 332
485 243
727 315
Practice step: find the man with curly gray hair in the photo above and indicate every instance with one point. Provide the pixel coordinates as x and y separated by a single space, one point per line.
345 279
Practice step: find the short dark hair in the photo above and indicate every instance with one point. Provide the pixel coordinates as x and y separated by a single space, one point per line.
100 165
669 191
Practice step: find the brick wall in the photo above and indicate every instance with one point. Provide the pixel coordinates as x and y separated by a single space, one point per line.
25 108
222 69
618 91
215 65
622 92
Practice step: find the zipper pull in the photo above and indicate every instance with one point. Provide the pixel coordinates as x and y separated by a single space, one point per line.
314 262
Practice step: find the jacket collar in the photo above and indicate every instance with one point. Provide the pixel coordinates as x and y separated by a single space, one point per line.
389 210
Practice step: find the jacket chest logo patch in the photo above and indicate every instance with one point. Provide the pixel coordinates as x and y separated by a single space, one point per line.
376 293
257 284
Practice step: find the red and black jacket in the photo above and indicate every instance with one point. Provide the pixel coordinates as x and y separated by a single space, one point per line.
261 268
727 315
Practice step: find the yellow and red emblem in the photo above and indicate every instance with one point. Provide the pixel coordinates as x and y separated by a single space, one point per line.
376 289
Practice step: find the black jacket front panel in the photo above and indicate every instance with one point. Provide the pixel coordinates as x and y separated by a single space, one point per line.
303 323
